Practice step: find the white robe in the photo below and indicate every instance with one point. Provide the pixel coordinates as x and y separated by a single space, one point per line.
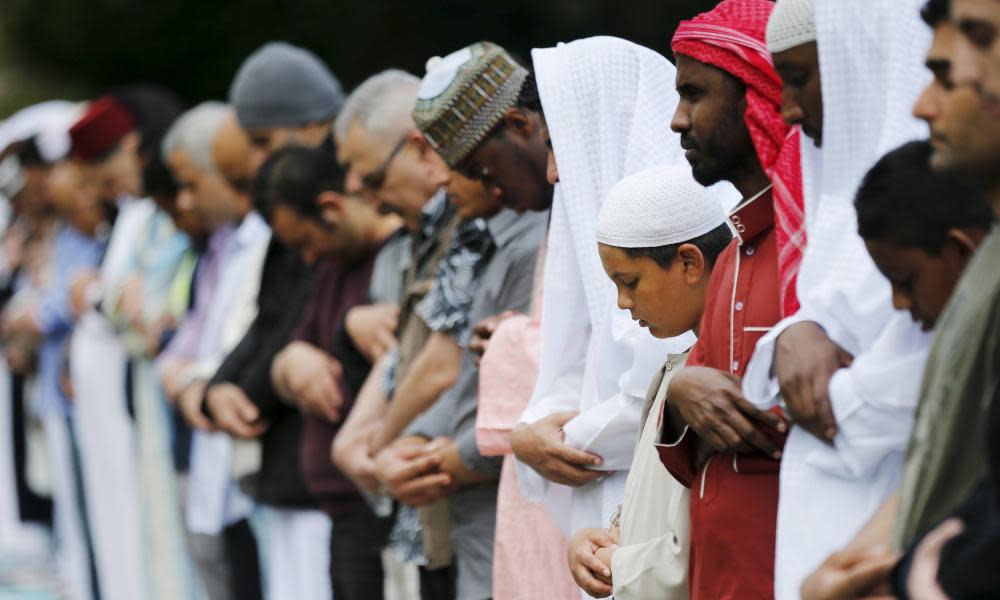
872 73
214 499
104 428
608 105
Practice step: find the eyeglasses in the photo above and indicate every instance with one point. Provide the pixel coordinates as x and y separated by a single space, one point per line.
374 180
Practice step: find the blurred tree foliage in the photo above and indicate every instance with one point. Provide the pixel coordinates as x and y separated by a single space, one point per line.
75 48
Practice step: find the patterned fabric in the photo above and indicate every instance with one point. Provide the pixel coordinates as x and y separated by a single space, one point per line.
731 37
446 308
463 97
435 210
405 539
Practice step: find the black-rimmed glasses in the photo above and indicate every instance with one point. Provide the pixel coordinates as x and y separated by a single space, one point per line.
374 180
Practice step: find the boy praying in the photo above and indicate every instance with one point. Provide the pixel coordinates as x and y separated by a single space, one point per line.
659 233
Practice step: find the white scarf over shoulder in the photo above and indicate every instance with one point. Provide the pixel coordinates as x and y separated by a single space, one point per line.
608 105
871 55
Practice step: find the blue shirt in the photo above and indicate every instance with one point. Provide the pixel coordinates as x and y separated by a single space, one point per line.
73 253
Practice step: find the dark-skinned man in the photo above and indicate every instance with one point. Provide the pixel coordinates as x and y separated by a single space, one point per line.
724 448
945 455
847 365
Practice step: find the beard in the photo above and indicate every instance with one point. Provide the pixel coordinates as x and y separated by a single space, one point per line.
722 153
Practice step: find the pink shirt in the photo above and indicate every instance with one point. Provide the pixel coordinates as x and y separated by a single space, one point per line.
529 552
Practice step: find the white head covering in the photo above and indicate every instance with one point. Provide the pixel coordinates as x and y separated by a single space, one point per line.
47 122
50 121
608 105
791 24
873 72
658 207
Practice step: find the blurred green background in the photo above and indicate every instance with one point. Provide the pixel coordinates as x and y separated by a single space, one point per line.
75 49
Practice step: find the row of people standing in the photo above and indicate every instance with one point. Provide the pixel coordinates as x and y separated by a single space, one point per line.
394 324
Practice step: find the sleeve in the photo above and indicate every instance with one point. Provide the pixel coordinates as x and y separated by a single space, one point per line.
184 343
54 314
678 457
241 312
759 385
650 569
435 421
565 335
235 363
356 366
468 450
842 291
608 428
874 402
305 330
507 374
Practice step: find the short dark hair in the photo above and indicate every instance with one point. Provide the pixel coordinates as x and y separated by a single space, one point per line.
903 201
935 12
711 245
528 97
29 154
154 108
294 176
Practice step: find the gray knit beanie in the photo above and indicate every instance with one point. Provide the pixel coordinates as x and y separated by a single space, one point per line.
281 85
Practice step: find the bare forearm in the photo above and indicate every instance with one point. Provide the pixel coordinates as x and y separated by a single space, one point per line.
279 379
433 371
878 530
369 408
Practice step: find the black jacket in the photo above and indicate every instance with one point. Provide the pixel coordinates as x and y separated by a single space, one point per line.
286 282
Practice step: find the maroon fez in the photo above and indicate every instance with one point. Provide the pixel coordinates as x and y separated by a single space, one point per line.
104 124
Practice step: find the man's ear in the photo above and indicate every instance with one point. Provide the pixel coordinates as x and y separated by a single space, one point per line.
330 199
437 171
964 242
693 262
519 122
418 141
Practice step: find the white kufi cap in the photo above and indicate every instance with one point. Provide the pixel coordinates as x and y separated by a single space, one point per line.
792 24
658 207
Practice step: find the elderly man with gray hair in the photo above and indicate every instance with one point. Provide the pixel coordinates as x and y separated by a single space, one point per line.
391 164
225 303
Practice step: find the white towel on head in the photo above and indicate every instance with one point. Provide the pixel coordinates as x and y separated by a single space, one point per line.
608 105
871 60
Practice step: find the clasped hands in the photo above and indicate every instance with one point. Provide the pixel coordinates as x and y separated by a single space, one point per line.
589 554
418 472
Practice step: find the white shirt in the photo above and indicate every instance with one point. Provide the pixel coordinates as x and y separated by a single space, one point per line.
214 500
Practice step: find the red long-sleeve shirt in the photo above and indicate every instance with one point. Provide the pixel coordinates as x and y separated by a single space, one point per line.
734 497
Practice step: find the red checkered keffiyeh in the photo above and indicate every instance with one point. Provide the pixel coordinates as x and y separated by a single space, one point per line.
732 38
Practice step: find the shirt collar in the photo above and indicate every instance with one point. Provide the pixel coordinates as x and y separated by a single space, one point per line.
433 212
506 225
753 217
219 239
251 229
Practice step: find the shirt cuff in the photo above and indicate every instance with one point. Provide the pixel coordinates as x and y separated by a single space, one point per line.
759 384
468 451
